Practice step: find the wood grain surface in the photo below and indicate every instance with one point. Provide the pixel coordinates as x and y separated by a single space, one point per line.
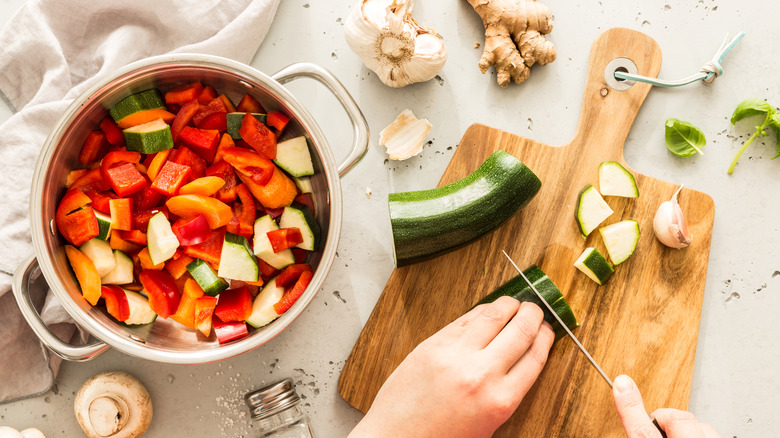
644 322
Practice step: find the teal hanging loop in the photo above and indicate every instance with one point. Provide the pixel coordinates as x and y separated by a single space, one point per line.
708 73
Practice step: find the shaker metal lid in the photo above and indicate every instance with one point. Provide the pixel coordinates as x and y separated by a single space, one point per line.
272 399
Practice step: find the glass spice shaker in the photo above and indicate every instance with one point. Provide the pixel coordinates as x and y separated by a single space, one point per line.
276 412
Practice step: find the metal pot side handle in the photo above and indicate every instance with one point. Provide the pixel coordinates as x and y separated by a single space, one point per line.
360 131
66 351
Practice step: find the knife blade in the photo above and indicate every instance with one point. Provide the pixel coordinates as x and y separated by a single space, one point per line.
571 335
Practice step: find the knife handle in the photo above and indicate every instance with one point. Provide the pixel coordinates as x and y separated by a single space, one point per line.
657 426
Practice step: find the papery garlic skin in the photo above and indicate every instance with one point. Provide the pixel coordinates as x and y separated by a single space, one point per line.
392 44
405 136
670 226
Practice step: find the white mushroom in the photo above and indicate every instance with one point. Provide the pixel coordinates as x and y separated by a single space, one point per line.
113 404
32 433
9 432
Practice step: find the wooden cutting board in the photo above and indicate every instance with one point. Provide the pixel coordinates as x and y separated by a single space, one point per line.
644 322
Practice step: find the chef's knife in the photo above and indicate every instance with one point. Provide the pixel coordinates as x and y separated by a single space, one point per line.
571 335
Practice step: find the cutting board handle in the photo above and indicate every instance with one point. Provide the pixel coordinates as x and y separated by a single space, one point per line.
607 113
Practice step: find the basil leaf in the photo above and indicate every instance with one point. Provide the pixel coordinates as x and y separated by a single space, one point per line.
683 139
751 107
774 123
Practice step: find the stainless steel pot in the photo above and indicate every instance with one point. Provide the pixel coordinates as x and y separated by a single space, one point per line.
164 341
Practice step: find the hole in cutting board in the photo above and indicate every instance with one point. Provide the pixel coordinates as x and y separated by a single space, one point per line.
623 65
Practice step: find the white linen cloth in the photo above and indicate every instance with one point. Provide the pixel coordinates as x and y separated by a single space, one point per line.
50 51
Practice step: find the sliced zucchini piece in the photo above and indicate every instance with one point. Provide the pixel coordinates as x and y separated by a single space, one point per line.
161 240
518 289
299 216
206 278
234 121
429 223
145 100
621 239
591 211
594 265
140 311
263 312
304 184
293 156
263 248
99 251
149 138
616 180
104 225
122 273
237 261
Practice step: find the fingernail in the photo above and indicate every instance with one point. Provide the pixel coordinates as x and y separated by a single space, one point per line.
624 384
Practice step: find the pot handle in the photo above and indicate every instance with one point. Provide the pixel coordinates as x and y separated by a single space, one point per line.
360 131
64 350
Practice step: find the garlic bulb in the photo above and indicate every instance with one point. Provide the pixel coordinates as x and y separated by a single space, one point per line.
405 136
669 224
392 43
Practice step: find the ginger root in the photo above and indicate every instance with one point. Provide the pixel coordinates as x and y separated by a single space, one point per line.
514 38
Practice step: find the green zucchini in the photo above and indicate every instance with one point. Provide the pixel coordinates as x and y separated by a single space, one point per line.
429 223
149 138
234 121
594 265
105 225
211 284
145 100
518 289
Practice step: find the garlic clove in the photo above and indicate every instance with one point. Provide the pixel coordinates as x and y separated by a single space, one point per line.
405 136
32 433
392 43
669 224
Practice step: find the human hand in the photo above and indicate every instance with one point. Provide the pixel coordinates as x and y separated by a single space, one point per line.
675 423
466 379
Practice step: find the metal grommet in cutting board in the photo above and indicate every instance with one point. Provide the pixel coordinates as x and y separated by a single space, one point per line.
619 64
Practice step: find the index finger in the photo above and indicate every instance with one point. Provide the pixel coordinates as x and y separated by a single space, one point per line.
481 324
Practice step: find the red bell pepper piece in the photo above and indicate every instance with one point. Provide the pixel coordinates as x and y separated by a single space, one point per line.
163 293
228 331
125 179
266 271
216 121
192 231
114 135
216 105
202 141
78 226
207 95
245 213
170 179
300 255
116 158
291 296
100 200
94 147
74 175
223 170
141 217
274 212
146 199
116 302
210 250
249 104
185 93
308 200
234 305
252 164
91 180
258 136
284 238
290 274
134 236
183 117
277 120
204 309
121 214
183 155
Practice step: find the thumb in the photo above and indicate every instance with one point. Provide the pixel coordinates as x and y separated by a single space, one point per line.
631 409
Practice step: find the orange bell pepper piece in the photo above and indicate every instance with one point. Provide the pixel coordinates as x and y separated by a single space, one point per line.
178 267
146 116
185 314
217 213
146 260
86 274
280 191
157 163
204 186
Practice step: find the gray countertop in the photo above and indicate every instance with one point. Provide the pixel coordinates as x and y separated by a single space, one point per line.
735 385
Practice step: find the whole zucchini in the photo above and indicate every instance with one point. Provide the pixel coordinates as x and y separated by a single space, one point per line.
517 288
429 223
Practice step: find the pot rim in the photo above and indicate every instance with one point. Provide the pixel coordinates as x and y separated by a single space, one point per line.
129 344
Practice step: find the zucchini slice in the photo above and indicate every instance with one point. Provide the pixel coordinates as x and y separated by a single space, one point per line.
429 223
211 284
594 265
122 273
134 103
101 255
616 180
293 156
262 245
591 211
621 239
299 216
237 261
263 312
105 224
148 138
518 289
140 311
162 242
234 123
